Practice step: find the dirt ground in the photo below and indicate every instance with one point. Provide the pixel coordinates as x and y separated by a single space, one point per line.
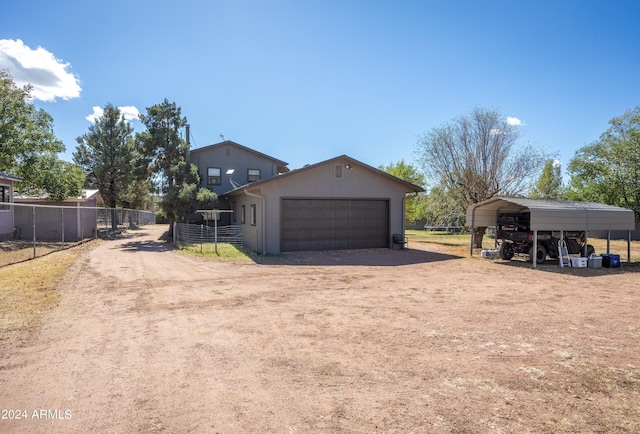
146 339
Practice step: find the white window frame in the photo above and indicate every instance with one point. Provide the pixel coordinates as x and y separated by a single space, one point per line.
255 176
6 194
216 178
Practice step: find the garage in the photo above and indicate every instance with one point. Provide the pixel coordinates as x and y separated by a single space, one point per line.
333 224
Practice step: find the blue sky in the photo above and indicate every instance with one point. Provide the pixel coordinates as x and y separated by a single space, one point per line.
307 80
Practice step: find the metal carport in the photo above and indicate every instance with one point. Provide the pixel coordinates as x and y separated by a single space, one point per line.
554 215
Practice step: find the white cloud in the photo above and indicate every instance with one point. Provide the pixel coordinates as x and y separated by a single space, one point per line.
514 121
48 75
129 112
97 112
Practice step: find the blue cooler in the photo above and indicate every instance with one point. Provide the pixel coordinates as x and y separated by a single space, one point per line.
611 261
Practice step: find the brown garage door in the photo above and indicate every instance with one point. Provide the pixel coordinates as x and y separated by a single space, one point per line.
332 224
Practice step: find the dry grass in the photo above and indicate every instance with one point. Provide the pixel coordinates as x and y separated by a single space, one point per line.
29 289
13 252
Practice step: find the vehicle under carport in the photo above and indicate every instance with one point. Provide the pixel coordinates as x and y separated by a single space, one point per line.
554 216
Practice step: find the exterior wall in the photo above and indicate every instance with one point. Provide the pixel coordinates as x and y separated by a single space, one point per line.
251 233
238 159
6 213
319 182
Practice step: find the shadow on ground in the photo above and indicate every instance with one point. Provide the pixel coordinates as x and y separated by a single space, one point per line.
366 257
159 245
552 266
144 246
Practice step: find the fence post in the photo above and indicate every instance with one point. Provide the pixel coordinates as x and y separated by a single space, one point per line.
215 233
62 226
34 231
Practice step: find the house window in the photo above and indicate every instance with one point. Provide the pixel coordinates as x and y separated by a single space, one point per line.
4 197
213 176
252 215
338 171
234 208
242 214
253 175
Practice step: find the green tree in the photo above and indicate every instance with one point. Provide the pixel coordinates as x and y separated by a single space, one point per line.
29 147
414 204
608 170
549 185
476 157
166 152
107 153
441 209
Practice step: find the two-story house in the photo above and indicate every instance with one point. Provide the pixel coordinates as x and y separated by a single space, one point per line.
228 165
340 203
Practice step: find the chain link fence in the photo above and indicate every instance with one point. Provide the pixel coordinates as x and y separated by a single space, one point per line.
186 235
28 231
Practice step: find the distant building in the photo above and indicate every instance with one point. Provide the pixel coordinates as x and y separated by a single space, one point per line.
7 211
78 218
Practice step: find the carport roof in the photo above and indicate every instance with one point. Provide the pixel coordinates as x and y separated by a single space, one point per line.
553 215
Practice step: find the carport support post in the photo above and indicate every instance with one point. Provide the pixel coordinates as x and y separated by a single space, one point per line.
629 248
608 242
473 231
586 241
535 248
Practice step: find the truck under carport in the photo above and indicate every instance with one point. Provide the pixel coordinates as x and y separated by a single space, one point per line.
552 215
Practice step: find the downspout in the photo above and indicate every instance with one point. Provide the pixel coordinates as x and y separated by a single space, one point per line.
263 218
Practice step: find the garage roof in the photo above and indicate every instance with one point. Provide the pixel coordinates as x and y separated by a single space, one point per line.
553 215
344 158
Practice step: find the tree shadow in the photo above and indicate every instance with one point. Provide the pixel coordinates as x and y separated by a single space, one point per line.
144 246
162 244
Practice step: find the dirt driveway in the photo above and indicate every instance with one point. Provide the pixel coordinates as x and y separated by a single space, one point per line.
149 340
